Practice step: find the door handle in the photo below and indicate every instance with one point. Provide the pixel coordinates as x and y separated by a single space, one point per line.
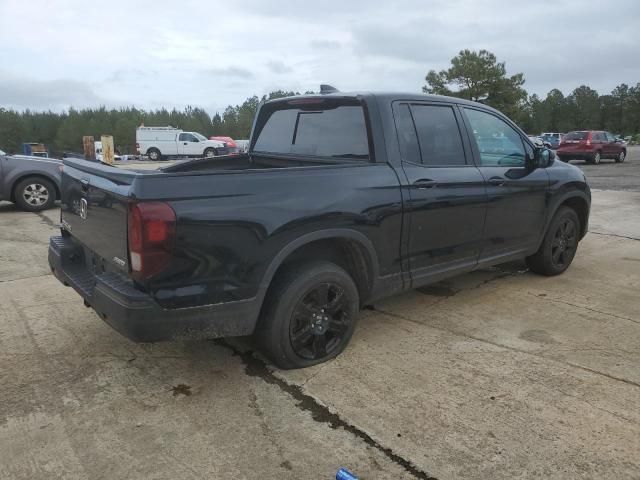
184 143
425 183
497 181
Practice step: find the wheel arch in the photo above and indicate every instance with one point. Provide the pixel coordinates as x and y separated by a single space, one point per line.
23 176
350 249
580 203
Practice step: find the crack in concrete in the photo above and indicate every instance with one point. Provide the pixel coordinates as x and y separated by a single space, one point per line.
254 367
615 235
47 220
555 300
25 278
551 359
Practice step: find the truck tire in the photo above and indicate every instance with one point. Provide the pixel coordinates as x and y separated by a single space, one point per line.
34 194
154 154
210 152
309 315
559 245
621 156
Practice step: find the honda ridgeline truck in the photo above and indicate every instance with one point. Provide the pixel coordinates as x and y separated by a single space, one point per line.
342 198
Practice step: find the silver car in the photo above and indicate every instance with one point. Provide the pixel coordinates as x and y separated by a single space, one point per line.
32 183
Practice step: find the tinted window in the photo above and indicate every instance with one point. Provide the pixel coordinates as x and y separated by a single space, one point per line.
599 137
329 132
498 142
407 138
576 136
438 135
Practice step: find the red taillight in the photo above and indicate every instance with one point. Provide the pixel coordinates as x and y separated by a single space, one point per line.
588 142
152 230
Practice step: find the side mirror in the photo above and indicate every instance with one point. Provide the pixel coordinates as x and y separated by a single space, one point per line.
542 158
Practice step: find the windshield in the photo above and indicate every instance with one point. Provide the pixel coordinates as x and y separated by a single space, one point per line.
202 138
2 153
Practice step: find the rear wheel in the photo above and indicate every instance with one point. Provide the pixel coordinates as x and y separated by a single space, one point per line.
154 154
621 156
559 244
309 315
595 159
34 194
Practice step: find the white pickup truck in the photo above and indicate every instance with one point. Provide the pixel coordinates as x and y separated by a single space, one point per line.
159 142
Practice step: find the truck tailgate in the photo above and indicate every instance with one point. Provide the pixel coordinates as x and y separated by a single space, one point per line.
94 211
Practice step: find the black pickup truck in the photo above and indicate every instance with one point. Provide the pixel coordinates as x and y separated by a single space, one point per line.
343 198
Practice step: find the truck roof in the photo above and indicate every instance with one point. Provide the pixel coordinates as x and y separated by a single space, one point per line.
386 96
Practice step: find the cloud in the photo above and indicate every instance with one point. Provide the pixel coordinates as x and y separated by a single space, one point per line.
142 54
24 92
234 72
278 67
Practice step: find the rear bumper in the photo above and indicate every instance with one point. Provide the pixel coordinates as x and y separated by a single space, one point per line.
135 314
584 155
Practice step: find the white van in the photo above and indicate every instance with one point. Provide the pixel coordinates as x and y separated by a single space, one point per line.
158 142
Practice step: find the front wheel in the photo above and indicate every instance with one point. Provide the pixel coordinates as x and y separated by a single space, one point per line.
309 315
210 153
559 244
621 156
34 194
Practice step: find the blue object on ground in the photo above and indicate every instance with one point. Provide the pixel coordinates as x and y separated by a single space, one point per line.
344 474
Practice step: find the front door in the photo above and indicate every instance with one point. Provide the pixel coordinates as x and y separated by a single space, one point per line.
445 198
611 148
189 145
517 195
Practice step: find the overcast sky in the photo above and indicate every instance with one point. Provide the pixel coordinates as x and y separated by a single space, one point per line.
152 53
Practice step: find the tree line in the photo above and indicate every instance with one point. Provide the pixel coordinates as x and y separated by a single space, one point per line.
476 76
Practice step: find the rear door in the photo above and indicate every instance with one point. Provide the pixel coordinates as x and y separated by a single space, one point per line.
516 210
447 200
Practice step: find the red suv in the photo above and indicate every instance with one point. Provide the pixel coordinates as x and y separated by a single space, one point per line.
591 146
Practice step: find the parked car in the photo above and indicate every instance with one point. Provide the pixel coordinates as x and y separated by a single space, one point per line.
32 183
538 141
342 199
230 146
591 146
159 142
553 138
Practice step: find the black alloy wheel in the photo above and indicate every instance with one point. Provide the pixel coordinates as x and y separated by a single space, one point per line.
309 314
320 321
564 244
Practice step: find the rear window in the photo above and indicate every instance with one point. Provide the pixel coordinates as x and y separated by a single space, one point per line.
322 128
576 136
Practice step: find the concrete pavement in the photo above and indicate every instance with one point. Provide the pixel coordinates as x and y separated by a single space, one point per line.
495 374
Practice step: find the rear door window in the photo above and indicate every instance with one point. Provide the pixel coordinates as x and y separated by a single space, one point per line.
322 129
576 136
438 135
